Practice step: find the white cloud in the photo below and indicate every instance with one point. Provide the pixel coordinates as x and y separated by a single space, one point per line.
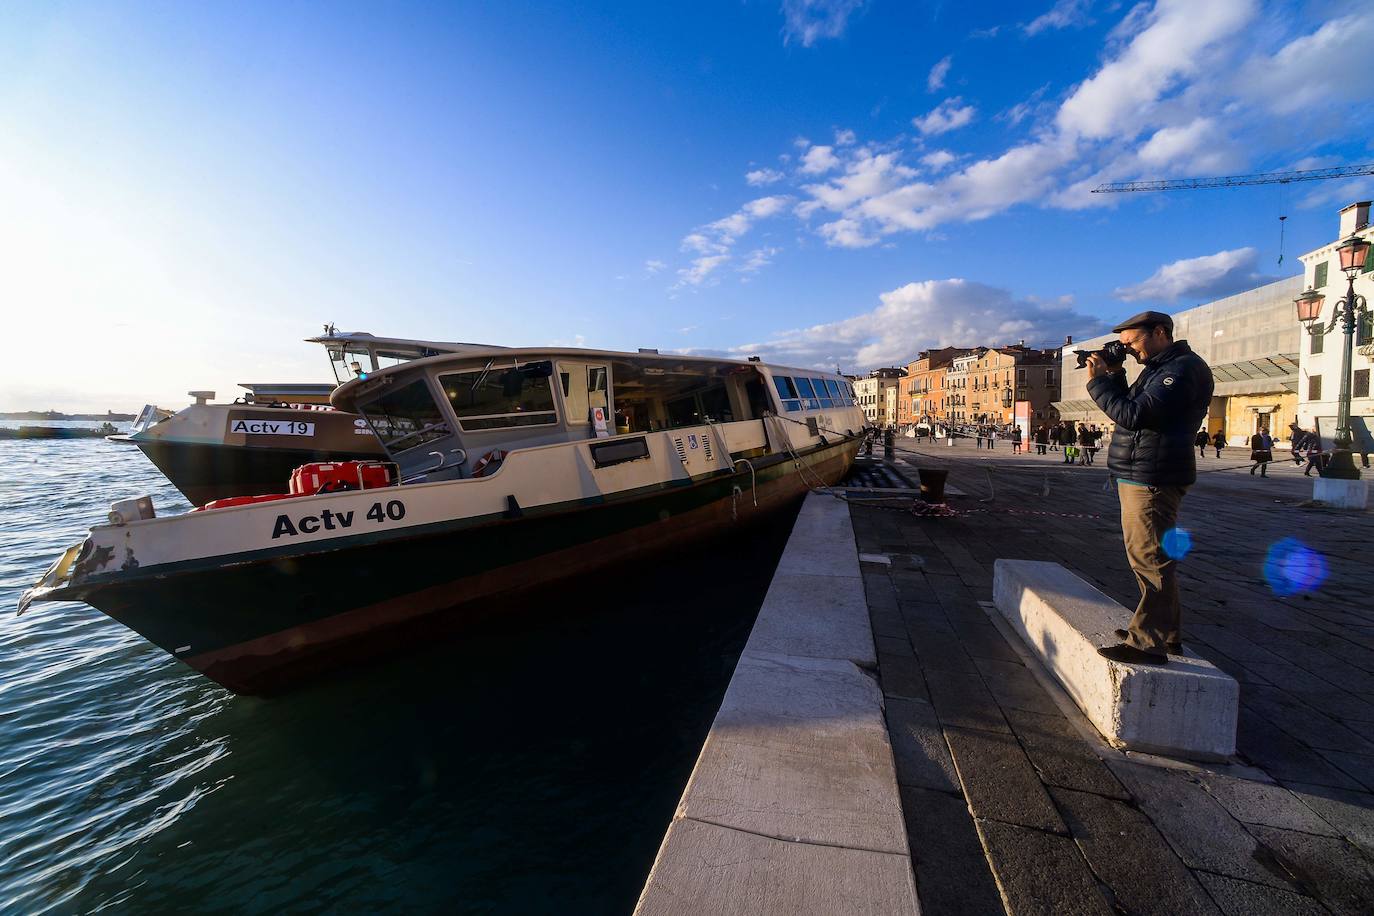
758 259
1312 70
653 266
948 115
937 160
1196 147
922 315
808 21
700 269
935 81
844 138
1119 99
760 177
846 233
1199 279
1064 14
713 242
819 160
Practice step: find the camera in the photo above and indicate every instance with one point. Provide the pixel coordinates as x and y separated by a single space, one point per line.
1113 353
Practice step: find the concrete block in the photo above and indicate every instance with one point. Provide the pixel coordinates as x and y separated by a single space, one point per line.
1187 708
1341 494
815 617
706 868
799 751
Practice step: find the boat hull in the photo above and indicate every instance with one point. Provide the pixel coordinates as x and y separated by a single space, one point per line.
262 626
204 472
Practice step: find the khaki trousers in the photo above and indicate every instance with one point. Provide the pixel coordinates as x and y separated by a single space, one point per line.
1146 514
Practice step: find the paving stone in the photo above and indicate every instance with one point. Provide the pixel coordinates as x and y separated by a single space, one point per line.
936 650
962 700
1060 755
918 746
1284 757
894 645
1040 873
1242 898
1332 870
887 622
999 781
1200 830
1350 813
952 873
1263 803
1308 725
900 676
1360 766
1127 854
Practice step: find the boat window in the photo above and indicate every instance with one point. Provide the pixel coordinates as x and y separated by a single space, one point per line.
405 417
822 392
787 391
501 397
584 388
661 394
808 393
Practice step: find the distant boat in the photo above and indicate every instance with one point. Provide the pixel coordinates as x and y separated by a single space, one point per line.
58 432
213 451
507 469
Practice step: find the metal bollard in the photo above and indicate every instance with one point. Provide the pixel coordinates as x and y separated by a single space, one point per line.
889 444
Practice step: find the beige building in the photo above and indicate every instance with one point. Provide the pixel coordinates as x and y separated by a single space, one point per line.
959 407
1004 375
1251 341
1319 362
877 395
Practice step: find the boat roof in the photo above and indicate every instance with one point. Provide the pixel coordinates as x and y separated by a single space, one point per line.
343 395
395 347
288 388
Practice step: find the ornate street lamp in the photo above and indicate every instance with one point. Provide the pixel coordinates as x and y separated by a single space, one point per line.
1350 311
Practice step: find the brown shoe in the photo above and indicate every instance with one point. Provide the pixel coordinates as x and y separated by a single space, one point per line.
1131 655
1175 647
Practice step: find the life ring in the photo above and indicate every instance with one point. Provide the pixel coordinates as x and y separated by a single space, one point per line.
489 463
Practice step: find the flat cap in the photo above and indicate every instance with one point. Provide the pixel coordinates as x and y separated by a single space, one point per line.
1145 320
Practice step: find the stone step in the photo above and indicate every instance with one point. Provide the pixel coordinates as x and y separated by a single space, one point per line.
1186 708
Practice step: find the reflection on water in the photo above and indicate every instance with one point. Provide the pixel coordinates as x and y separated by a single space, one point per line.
532 764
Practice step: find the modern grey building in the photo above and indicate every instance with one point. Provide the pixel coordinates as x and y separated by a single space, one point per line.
1251 341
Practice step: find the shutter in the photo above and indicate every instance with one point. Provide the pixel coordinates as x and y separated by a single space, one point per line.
1319 275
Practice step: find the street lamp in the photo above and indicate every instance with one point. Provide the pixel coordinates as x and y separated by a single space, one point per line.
1350 310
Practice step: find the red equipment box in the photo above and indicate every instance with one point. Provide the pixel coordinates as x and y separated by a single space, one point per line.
331 477
231 501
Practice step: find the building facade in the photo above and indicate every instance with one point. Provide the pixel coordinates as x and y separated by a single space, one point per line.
877 395
958 407
1319 359
921 395
1003 376
1251 341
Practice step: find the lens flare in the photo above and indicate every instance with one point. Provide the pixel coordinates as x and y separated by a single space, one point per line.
1292 567
1177 542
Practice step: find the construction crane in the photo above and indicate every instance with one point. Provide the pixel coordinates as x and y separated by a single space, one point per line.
1238 181
1234 181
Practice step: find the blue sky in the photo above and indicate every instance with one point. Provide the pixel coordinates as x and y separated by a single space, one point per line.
189 189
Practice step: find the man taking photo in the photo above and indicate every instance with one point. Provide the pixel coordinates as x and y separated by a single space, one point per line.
1151 454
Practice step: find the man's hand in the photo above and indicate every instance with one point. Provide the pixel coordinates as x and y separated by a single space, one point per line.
1097 366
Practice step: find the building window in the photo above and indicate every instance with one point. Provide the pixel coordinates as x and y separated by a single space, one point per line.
1364 331
1319 275
1361 384
1049 378
1314 388
1021 377
1318 341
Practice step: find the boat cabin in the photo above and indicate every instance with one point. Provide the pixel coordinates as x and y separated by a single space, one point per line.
457 415
357 354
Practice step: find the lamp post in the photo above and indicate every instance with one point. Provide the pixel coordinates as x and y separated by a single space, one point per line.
1350 311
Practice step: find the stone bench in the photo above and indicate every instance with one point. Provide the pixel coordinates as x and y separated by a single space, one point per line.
1186 708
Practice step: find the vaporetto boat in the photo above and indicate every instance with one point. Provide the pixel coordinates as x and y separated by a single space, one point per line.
507 469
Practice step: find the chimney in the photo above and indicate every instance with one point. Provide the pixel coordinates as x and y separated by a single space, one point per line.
1068 339
1354 218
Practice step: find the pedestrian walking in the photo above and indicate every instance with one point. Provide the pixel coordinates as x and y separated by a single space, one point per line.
1297 440
1312 451
992 437
1042 439
1219 442
1260 453
1151 454
1016 440
1068 438
1201 440
979 432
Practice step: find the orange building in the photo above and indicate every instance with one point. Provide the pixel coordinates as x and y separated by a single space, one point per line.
1004 375
923 390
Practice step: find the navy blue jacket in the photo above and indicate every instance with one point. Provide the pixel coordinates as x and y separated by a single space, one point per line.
1157 417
